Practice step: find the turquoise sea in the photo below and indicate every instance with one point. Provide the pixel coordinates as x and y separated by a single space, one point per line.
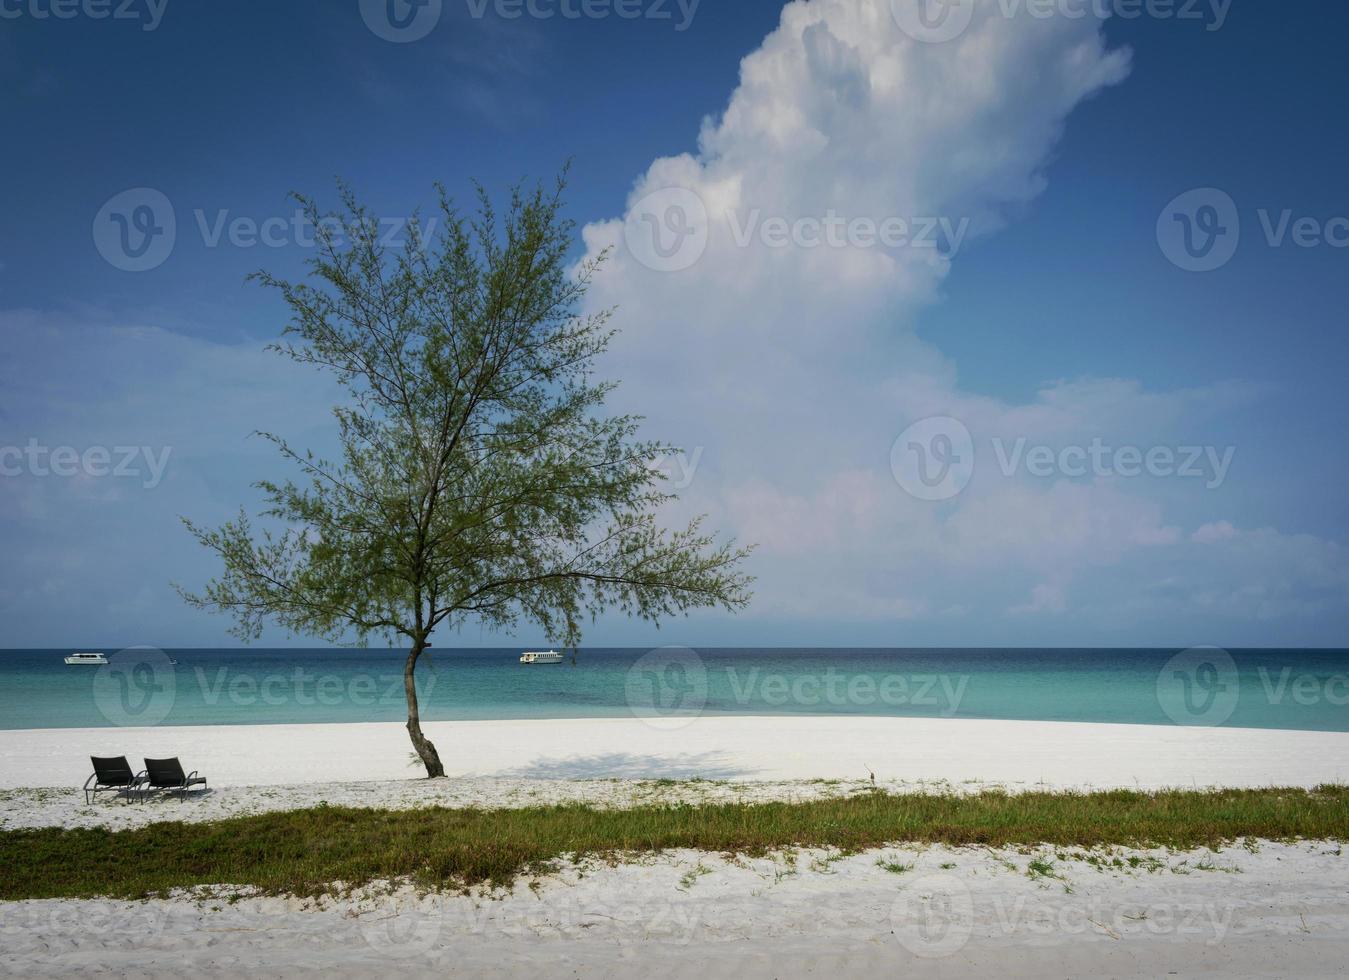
1294 689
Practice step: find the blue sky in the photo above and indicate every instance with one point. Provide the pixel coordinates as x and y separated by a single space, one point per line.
790 372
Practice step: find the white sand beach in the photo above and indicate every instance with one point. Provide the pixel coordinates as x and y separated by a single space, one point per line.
1267 908
902 751
1277 910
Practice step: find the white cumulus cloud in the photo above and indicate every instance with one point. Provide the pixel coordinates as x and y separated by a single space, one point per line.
790 358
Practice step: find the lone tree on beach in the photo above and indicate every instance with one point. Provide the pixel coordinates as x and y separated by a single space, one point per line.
479 479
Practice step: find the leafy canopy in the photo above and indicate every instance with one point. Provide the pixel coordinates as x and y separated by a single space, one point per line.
479 478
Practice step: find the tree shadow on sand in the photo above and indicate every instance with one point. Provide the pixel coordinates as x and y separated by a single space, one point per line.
625 765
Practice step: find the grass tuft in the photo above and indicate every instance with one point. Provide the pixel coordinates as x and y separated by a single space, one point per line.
303 852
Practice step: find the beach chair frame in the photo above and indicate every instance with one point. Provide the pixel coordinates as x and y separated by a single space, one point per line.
113 775
168 775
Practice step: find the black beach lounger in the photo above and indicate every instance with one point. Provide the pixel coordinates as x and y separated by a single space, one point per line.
167 774
113 775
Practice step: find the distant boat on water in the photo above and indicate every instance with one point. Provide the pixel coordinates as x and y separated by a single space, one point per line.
551 657
97 659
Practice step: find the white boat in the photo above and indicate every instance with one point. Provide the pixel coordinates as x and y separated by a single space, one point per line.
551 657
86 658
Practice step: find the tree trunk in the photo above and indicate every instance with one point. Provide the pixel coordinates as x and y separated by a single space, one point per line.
425 750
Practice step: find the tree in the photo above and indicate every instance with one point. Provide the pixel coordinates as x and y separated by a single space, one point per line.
479 479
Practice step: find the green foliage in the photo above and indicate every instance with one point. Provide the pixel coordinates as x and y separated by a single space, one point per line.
305 852
480 479
894 867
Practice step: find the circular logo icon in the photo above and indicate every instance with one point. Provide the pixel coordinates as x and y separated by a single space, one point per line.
933 21
1199 687
1200 230
934 917
667 688
667 230
134 925
933 459
401 21
412 930
135 230
136 687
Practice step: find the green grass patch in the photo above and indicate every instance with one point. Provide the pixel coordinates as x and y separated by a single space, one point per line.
894 867
305 852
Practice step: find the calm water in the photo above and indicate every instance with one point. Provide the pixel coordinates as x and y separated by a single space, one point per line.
1248 688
